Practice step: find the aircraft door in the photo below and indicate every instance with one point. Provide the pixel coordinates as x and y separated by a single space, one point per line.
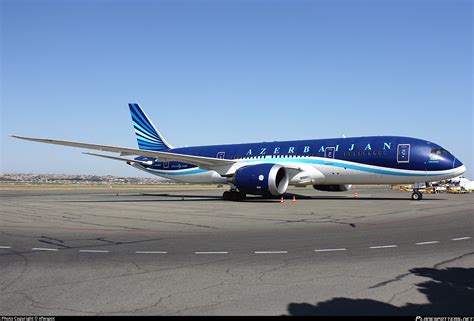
329 152
221 155
403 153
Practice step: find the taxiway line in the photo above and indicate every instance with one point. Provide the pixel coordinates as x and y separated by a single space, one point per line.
426 243
383 246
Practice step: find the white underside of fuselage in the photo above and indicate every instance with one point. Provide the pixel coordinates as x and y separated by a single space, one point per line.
334 172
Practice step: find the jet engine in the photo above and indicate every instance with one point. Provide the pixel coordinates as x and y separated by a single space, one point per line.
332 188
262 179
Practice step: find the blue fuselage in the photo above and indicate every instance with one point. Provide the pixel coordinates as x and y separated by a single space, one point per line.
390 152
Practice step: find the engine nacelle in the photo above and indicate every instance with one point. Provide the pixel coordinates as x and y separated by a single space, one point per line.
332 188
261 179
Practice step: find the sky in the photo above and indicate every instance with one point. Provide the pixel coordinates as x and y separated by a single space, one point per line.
215 72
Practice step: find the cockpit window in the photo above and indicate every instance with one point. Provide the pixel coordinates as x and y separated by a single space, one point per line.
439 151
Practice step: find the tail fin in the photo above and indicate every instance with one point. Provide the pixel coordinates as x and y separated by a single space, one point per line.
148 137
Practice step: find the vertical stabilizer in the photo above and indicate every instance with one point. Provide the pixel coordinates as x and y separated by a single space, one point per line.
148 137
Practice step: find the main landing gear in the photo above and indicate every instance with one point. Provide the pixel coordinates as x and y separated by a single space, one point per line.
233 196
416 196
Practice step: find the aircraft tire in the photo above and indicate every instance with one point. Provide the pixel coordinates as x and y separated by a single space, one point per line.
237 196
416 196
226 196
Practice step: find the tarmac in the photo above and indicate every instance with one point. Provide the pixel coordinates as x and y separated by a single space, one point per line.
173 252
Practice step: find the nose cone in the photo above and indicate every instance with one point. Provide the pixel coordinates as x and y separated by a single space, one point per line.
458 167
457 163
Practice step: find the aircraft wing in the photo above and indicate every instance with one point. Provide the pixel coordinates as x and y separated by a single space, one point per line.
203 162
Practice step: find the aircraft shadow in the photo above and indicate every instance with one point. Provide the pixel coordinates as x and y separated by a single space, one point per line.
449 292
289 196
257 199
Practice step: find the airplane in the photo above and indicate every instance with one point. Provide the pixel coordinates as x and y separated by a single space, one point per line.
268 168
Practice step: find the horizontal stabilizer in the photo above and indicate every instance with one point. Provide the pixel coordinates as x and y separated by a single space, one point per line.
128 160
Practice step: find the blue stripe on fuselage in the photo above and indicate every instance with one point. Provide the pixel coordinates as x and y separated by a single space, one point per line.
179 172
329 162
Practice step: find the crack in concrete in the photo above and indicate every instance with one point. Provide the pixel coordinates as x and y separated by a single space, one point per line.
149 220
399 293
312 221
52 243
262 274
107 243
37 305
114 216
52 239
117 276
403 275
395 279
22 272
452 260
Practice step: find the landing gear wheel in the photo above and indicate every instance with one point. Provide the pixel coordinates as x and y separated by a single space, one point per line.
416 196
237 196
226 196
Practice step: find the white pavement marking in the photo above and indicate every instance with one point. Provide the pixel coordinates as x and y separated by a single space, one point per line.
461 238
94 251
151 252
330 250
426 243
43 249
5 247
271 252
211 252
383 246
